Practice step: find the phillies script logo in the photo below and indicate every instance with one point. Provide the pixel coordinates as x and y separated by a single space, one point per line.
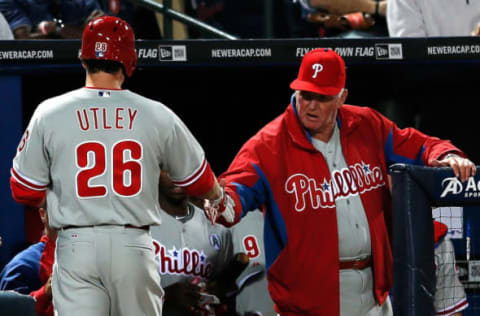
182 261
356 179
453 186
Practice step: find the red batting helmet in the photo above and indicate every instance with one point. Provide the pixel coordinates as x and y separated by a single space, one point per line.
110 38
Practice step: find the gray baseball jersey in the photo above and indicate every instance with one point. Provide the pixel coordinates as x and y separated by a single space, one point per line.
450 297
5 30
356 286
190 248
247 236
100 153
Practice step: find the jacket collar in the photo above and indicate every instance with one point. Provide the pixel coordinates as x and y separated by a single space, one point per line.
347 122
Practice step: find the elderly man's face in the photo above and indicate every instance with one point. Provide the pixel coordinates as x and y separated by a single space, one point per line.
318 112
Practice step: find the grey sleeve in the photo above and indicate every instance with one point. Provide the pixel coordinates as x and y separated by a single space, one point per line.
184 156
404 19
32 161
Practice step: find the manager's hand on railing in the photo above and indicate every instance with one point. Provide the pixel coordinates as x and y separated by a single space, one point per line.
463 168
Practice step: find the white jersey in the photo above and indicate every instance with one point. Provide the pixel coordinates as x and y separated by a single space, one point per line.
426 18
5 31
99 154
247 236
450 297
191 247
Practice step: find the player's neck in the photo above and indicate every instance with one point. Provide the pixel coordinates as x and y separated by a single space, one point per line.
105 80
175 208
186 213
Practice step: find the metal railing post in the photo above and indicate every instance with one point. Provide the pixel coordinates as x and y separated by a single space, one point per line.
185 19
268 18
167 21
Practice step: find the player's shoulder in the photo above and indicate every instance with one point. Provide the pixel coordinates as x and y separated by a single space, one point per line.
266 139
55 103
146 101
352 115
156 109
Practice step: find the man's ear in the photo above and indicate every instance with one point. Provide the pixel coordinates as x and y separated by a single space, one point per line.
344 96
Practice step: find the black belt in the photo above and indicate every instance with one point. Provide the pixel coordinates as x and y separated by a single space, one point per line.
358 264
146 227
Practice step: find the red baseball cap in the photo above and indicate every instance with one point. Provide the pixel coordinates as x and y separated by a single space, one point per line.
322 71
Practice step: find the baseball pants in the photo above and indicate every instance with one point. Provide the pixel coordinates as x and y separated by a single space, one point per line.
356 295
106 270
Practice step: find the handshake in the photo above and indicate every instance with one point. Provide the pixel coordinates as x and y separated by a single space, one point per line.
221 209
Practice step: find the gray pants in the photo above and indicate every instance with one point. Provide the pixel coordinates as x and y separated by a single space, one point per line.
356 295
106 270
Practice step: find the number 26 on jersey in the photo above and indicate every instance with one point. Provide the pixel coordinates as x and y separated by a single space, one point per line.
93 159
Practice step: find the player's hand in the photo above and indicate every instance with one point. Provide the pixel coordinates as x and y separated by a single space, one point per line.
210 211
93 15
43 203
211 206
47 27
48 287
342 7
476 30
463 168
183 295
222 208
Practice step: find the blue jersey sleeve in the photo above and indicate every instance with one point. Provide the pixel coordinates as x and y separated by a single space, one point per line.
22 273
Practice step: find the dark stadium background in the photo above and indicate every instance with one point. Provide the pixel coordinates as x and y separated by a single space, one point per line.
225 104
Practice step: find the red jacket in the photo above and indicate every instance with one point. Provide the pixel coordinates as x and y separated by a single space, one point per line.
44 302
280 170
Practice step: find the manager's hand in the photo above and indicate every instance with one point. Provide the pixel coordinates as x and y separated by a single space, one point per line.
463 168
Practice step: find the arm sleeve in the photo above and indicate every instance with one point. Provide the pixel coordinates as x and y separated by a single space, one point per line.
15 15
30 171
246 182
19 278
409 145
404 19
186 162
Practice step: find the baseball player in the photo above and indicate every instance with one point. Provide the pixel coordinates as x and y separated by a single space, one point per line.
94 156
319 170
450 298
253 297
190 251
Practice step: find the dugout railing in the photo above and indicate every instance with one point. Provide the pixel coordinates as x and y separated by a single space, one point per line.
415 190
169 14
